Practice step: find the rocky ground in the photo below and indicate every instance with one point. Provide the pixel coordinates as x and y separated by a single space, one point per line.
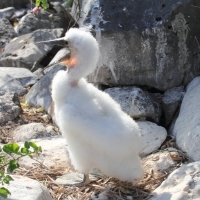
152 73
104 187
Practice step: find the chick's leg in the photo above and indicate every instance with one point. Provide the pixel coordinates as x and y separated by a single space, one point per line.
85 181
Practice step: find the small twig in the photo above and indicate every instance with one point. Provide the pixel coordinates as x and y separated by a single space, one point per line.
40 163
30 170
183 154
152 181
195 6
60 196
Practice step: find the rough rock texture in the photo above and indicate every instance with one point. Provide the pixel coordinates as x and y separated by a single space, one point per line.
10 84
136 102
7 12
24 76
58 17
187 126
20 12
158 45
171 101
23 188
40 94
54 153
9 106
152 136
183 184
6 32
157 162
29 131
23 52
14 3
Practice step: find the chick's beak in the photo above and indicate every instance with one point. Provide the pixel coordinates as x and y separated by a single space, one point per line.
58 42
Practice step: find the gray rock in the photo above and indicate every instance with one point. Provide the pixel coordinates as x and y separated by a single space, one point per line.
24 76
136 102
152 136
40 94
29 131
25 53
7 12
171 127
7 32
23 188
187 128
159 162
50 130
39 73
13 3
51 148
57 17
183 183
171 102
9 106
20 12
144 43
9 83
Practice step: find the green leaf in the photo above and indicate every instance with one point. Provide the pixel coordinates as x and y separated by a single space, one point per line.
40 149
12 166
30 156
26 145
4 192
45 4
7 179
1 174
35 147
11 148
25 151
37 3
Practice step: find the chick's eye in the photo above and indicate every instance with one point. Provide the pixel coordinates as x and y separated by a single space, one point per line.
66 43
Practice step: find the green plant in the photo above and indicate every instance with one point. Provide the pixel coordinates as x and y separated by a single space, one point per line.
43 3
9 157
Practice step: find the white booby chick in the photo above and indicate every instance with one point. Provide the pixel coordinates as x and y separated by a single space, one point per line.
99 134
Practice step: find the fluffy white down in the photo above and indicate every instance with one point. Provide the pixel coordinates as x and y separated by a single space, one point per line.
98 132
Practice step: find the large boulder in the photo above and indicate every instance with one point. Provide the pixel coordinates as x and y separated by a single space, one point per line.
40 94
23 188
8 83
29 131
54 153
183 183
7 12
9 106
152 136
187 126
144 42
22 75
24 52
171 102
136 102
7 32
